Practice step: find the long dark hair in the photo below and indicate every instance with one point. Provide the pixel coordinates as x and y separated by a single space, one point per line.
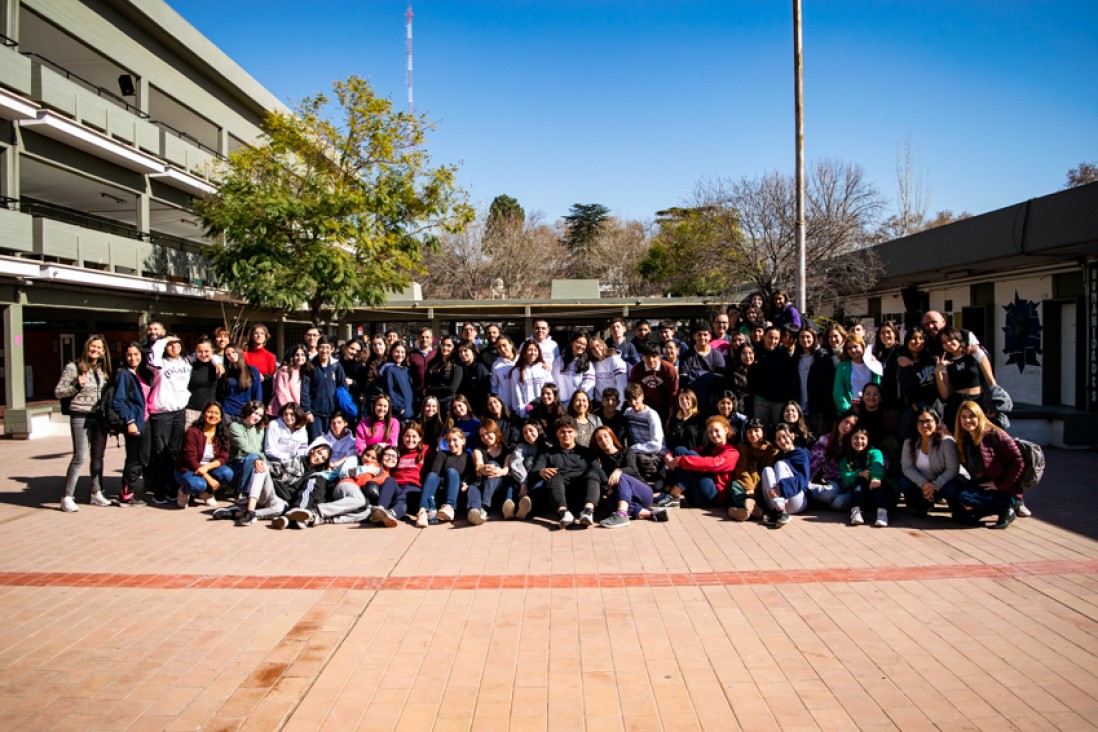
288 360
935 439
520 362
856 459
835 440
440 363
240 369
221 433
583 360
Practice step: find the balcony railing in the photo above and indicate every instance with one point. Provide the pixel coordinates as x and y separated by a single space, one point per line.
114 98
91 86
55 212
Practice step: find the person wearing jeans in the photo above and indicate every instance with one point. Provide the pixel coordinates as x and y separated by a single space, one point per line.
83 381
456 468
202 465
702 477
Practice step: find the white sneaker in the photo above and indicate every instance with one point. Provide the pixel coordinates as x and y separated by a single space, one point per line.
508 509
68 505
1022 509
882 517
856 517
98 499
476 516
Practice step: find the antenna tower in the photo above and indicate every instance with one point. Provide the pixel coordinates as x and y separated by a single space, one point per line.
408 16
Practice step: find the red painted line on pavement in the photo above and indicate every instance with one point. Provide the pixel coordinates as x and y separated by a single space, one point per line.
553 581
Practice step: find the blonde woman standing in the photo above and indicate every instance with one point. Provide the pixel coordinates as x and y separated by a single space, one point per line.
82 383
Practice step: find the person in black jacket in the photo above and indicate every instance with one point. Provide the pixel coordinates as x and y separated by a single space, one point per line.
617 469
444 374
772 378
476 380
568 466
815 380
457 468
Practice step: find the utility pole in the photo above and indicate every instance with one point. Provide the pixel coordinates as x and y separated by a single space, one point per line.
798 95
408 16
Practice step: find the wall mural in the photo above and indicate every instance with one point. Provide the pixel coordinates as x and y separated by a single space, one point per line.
1023 333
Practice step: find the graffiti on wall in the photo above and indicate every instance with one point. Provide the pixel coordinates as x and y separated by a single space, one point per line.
1023 333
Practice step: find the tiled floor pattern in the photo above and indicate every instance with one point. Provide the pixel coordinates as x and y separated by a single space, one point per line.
133 619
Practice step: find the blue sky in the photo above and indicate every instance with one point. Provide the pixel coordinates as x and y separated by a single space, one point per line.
630 103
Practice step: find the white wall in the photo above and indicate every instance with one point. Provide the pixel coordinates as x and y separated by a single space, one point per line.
1024 386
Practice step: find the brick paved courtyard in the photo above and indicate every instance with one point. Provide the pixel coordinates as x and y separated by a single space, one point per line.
150 618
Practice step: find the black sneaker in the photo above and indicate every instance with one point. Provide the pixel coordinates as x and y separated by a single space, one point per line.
667 500
225 514
769 518
161 500
280 522
782 520
1005 519
245 518
587 517
661 514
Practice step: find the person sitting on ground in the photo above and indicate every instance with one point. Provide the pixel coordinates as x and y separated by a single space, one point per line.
755 455
644 434
863 474
565 468
454 470
492 475
301 483
930 465
783 488
701 476
519 462
202 465
827 486
617 470
994 464
686 427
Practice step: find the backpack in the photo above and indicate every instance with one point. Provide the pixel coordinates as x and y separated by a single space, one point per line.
1034 459
346 403
108 415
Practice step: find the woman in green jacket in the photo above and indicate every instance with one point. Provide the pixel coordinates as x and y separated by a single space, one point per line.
862 472
857 369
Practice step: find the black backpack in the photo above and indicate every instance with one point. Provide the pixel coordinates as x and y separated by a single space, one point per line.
1034 459
108 415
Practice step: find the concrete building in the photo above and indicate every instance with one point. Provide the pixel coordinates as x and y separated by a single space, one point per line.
1024 279
112 113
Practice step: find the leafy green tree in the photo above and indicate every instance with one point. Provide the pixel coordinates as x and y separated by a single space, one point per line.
336 207
583 224
694 251
504 209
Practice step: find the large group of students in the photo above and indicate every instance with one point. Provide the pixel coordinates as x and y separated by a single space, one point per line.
758 416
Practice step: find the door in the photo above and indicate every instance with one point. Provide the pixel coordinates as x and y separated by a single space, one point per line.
68 348
1068 353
